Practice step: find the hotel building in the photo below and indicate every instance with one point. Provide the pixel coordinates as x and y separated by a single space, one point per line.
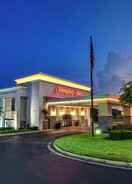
42 101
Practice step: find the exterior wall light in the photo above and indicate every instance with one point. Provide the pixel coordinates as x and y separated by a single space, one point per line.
82 113
61 113
53 113
98 131
73 113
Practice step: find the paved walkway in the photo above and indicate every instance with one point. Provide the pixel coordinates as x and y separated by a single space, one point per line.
26 160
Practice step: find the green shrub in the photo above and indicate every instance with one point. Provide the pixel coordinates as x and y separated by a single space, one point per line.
21 129
7 131
33 128
120 126
127 134
12 130
115 134
128 127
117 126
6 128
120 134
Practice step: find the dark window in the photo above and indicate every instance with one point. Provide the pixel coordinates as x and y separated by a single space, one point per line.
13 104
1 106
23 114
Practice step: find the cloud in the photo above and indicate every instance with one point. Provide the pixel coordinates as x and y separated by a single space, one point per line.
116 72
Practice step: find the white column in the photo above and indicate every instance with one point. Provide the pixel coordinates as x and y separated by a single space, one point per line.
34 104
41 114
105 115
18 109
88 117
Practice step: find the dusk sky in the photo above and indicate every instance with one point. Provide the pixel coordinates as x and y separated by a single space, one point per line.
52 36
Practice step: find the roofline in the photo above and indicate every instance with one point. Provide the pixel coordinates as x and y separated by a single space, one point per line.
51 79
11 89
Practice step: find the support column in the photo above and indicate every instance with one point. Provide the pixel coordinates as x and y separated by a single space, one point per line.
18 112
3 114
127 115
88 117
105 115
43 122
34 105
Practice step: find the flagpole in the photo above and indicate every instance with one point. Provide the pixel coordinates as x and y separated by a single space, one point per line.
91 83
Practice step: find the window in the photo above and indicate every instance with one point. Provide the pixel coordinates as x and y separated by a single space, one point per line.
9 104
13 104
1 106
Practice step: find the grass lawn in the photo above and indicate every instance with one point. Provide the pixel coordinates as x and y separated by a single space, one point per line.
98 146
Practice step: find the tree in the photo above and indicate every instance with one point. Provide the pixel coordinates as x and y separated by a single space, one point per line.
126 94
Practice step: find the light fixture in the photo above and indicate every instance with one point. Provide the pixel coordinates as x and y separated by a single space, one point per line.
53 113
61 113
82 113
98 131
73 113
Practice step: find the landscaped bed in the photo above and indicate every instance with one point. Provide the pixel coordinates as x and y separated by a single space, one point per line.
12 130
99 147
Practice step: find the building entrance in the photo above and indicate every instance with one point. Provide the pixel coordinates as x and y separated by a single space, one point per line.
68 116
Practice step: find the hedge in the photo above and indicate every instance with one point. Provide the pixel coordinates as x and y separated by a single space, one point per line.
120 134
12 130
120 126
6 128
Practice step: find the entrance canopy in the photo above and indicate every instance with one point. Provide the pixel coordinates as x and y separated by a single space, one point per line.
85 101
79 109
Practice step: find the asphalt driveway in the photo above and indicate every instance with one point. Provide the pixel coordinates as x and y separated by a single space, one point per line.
27 160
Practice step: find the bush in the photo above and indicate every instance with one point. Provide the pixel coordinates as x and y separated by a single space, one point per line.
12 130
6 128
127 134
33 128
27 129
115 134
120 134
6 131
117 126
120 126
128 127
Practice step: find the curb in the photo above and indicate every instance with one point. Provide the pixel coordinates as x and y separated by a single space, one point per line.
49 131
89 160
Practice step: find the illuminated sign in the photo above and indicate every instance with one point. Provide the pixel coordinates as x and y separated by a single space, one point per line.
67 91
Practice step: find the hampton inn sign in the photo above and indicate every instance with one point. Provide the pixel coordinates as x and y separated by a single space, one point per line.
67 91
23 104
